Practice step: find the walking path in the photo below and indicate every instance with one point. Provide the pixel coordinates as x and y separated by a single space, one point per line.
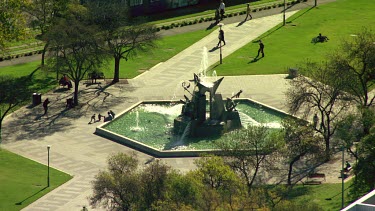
77 151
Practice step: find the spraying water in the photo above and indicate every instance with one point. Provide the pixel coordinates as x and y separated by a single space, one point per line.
214 74
204 63
136 128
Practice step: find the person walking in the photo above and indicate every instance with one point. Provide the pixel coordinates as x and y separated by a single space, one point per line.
45 106
248 10
222 9
221 37
217 16
261 48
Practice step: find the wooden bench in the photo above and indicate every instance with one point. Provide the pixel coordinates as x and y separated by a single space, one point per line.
316 175
95 75
312 182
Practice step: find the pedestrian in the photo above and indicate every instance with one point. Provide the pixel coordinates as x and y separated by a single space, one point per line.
221 37
248 12
217 16
100 117
93 118
112 113
45 106
315 120
261 48
222 9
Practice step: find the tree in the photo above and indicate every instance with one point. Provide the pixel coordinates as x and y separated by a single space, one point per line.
118 188
300 142
76 45
123 35
13 93
356 63
220 188
246 149
11 21
319 89
365 167
154 183
44 14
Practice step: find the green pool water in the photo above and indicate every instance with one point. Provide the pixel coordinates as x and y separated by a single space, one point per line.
155 125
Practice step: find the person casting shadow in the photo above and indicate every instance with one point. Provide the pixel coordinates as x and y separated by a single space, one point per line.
221 38
261 49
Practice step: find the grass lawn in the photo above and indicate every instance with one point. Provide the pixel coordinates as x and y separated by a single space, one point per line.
22 181
290 45
166 48
327 196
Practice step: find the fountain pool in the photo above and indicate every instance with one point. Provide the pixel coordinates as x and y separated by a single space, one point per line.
154 131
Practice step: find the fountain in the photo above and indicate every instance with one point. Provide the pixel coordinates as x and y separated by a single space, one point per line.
194 111
204 63
190 126
136 128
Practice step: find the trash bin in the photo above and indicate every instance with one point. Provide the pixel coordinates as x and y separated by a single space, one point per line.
37 99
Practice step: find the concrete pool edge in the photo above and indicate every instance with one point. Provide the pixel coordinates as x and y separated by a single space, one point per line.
100 131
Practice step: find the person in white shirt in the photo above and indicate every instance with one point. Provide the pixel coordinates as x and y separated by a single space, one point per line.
222 9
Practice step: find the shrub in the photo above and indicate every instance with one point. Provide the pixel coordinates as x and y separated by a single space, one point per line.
190 23
166 27
230 15
281 4
274 6
269 7
1 59
201 20
195 21
235 14
158 29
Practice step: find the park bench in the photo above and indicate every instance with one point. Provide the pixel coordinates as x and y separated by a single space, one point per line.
94 76
315 176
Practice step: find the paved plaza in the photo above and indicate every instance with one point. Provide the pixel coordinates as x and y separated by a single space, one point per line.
76 150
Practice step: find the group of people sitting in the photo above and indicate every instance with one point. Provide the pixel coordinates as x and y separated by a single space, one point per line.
110 113
64 81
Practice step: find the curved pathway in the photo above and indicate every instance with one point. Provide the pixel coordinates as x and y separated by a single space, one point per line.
77 151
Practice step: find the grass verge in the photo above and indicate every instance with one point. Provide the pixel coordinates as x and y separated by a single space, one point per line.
22 181
288 46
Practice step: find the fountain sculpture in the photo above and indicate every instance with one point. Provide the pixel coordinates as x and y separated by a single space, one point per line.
193 119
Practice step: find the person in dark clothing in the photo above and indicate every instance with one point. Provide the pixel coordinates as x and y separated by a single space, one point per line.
217 16
248 10
261 48
45 106
222 9
221 37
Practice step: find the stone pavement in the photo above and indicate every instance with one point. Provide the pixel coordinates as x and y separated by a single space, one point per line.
77 151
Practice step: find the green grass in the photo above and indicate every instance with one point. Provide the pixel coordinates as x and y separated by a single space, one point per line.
166 48
320 195
290 45
23 181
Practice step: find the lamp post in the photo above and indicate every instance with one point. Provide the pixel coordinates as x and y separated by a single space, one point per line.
342 178
48 148
221 55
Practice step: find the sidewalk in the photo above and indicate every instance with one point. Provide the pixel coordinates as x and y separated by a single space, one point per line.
77 151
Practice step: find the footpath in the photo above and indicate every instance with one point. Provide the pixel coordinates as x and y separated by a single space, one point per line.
79 152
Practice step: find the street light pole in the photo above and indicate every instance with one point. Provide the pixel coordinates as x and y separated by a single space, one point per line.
48 148
342 179
221 55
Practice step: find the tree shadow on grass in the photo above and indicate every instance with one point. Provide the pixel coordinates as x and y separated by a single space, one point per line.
281 25
20 203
